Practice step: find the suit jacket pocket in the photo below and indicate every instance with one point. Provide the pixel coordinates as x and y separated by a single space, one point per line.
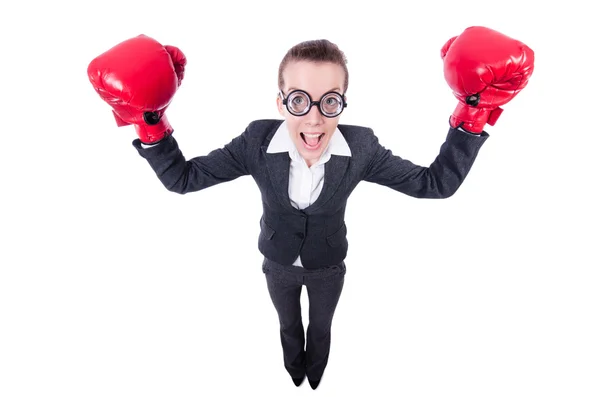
266 231
338 237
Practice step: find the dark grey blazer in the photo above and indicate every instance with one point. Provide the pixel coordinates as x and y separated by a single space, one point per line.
317 233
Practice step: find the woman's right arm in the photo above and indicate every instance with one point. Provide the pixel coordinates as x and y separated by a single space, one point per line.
183 176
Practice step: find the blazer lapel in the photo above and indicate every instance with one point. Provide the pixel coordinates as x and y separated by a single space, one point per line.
278 167
335 169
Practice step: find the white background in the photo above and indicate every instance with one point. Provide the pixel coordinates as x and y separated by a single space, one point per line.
112 286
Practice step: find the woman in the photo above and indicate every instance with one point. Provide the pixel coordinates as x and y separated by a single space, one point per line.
307 165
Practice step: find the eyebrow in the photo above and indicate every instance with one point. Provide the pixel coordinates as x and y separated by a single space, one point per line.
333 89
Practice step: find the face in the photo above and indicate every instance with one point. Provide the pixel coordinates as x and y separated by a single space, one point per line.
311 132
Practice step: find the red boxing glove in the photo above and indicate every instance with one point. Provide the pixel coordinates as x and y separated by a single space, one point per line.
485 70
138 79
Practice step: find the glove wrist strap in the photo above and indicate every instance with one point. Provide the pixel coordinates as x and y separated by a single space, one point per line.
472 118
152 133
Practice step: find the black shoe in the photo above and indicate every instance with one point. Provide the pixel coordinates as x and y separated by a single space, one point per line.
314 383
298 381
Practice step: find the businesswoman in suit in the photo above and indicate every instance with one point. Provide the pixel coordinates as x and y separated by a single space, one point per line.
307 164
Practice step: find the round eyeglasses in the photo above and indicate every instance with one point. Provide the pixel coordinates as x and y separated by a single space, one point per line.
299 103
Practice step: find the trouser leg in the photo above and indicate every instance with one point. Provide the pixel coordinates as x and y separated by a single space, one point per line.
285 290
323 295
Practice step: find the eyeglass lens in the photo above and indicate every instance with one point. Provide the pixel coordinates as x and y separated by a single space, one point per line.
299 102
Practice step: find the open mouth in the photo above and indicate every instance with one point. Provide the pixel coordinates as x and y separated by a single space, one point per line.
312 139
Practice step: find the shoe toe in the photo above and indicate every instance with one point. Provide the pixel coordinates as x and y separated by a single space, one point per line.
314 383
298 381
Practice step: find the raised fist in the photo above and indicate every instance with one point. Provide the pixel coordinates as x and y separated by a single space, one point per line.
138 79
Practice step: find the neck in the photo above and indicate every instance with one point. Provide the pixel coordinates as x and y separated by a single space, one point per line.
310 162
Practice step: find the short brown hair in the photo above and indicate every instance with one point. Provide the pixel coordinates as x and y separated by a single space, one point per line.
315 51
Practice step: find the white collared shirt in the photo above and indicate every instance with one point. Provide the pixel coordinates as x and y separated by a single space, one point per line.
305 182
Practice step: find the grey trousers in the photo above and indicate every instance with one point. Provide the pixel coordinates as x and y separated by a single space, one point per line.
324 287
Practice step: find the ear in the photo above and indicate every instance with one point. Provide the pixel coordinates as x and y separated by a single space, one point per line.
280 107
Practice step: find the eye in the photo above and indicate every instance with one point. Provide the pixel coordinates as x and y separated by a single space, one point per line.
298 100
331 103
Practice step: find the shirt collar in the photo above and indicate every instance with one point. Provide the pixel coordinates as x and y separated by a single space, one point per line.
281 142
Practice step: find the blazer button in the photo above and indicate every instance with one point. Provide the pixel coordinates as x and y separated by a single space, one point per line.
300 234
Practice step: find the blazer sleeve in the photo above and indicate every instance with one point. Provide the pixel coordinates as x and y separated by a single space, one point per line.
440 180
183 176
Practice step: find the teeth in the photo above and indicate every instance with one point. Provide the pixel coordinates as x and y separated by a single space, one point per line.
312 135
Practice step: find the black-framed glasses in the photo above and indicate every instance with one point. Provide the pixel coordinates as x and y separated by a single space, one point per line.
299 103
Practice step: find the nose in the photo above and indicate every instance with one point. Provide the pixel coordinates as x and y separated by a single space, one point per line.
314 116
